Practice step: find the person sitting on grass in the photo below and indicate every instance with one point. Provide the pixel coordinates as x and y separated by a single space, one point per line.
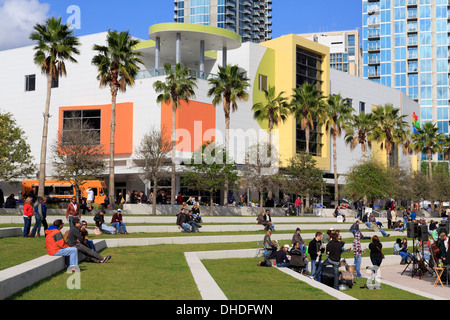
191 220
117 222
281 257
182 221
56 246
76 240
298 258
100 222
84 232
262 220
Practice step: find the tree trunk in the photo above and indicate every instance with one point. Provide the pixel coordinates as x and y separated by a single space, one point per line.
43 162
174 128
227 146
155 192
270 186
307 135
336 185
114 90
211 202
430 172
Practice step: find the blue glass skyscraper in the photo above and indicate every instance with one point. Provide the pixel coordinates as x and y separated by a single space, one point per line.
251 19
406 46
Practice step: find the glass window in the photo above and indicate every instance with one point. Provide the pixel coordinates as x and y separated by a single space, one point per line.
442 113
30 82
84 119
426 113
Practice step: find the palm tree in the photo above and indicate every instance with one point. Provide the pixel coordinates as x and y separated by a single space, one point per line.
275 109
55 45
429 141
357 132
338 112
177 87
446 150
307 106
408 147
228 88
117 65
389 128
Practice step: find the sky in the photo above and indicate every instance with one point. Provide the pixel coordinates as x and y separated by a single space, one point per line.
17 17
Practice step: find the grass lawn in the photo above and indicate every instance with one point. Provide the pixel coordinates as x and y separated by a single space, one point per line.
281 286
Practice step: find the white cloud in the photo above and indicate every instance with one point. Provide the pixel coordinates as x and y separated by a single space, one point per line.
17 19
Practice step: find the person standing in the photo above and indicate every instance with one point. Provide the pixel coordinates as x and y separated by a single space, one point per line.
389 217
359 207
334 250
90 198
357 253
376 254
73 210
38 216
44 213
27 214
315 249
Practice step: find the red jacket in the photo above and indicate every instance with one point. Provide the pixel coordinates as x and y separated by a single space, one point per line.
54 240
71 211
28 210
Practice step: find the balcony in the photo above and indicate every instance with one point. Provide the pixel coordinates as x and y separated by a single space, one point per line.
152 73
372 75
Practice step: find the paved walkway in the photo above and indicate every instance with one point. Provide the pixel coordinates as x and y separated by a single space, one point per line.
392 275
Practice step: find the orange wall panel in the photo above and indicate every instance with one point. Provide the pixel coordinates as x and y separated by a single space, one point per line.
195 124
124 126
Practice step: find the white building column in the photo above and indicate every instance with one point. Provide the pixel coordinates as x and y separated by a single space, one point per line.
202 58
178 49
157 55
224 56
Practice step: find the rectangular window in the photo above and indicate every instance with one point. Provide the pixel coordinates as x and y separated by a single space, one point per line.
30 82
362 107
262 82
82 121
55 82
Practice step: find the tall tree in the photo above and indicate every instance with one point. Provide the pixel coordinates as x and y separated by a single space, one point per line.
208 171
261 165
302 177
178 86
446 150
274 109
337 113
357 132
389 129
77 155
228 88
152 157
307 106
429 141
118 65
56 44
15 160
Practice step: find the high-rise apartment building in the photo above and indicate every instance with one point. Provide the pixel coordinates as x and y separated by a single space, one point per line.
406 46
251 19
345 53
